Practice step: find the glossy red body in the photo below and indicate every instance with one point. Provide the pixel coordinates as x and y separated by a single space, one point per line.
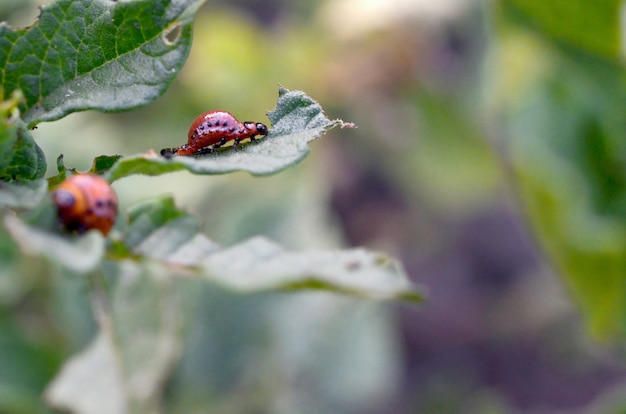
85 202
213 129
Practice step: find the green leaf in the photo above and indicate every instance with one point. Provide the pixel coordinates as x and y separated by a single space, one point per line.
55 180
90 383
296 112
143 311
296 121
80 254
28 161
99 166
592 26
567 148
158 231
26 367
20 158
103 163
139 340
9 127
105 55
27 195
260 265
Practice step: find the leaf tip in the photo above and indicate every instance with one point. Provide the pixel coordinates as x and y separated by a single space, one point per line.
282 90
343 124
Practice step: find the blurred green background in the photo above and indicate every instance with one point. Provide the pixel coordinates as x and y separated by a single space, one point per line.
489 157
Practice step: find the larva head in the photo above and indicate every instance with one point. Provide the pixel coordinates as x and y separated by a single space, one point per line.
255 128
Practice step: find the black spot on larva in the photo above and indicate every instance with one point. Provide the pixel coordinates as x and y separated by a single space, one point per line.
208 124
100 203
231 129
225 123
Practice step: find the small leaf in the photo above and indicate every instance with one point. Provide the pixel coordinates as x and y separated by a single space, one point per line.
106 55
103 163
296 121
160 231
150 216
9 127
20 158
28 161
55 180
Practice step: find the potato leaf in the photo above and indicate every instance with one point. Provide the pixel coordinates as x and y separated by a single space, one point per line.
104 55
296 121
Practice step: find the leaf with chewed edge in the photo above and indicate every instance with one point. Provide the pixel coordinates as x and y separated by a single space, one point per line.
259 264
296 121
159 231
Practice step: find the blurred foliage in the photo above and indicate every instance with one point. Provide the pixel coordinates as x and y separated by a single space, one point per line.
133 277
567 134
449 97
580 26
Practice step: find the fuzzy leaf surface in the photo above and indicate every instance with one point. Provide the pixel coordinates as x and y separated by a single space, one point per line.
296 121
